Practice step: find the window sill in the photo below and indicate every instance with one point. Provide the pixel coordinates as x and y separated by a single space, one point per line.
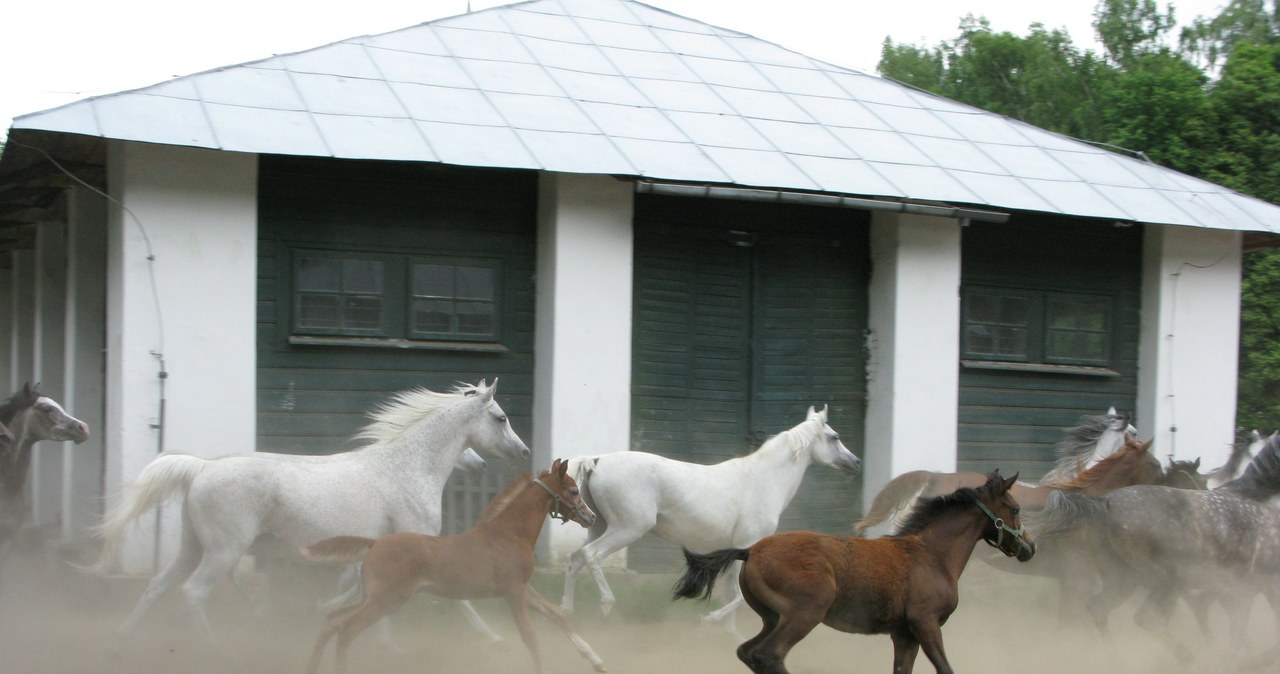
386 343
1085 370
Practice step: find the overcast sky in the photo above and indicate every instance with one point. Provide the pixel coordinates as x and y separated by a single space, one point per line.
53 53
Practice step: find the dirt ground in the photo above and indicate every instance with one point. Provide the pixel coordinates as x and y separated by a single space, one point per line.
56 619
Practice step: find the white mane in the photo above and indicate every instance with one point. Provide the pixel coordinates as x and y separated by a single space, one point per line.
394 417
796 438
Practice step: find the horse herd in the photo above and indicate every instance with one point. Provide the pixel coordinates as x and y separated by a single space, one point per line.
1108 521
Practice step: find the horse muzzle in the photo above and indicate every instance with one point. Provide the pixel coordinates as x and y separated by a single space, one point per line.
1026 549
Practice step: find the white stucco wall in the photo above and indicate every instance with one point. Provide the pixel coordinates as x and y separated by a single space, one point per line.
582 376
195 304
1190 335
913 365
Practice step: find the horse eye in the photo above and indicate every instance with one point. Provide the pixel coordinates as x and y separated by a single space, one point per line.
502 419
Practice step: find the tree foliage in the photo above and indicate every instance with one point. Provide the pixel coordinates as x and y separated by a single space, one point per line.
1208 106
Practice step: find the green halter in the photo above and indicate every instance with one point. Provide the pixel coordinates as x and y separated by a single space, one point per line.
1001 527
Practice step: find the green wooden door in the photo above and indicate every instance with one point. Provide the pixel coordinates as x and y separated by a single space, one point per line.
745 315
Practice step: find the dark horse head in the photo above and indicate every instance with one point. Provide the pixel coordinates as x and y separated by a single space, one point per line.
1002 526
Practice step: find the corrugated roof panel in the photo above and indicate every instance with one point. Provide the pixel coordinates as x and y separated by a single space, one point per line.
584 58
342 59
184 87
575 152
762 104
984 128
683 96
1046 139
913 121
157 119
1151 203
470 145
929 182
802 139
840 112
537 113
612 34
756 168
1159 177
401 66
766 53
253 87
623 121
266 131
1248 214
872 89
445 104
959 155
466 43
799 81
695 46
728 73
1077 198
846 177
1099 167
546 27
593 9
599 88
77 118
375 138
329 95
1003 191
885 146
1028 162
719 130
655 158
512 78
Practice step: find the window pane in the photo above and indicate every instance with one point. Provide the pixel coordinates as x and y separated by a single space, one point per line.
432 316
320 274
475 318
362 276
1077 328
362 313
432 280
996 324
318 311
475 283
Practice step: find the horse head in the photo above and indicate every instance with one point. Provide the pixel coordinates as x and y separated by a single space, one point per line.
1005 531
45 419
492 430
1184 474
566 500
827 449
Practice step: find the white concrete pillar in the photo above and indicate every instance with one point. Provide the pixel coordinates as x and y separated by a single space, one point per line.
582 376
84 386
181 286
1189 343
913 365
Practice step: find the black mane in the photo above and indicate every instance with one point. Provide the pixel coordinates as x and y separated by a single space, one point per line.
928 509
1261 480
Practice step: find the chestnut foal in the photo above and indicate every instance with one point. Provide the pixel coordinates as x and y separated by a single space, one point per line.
903 585
493 559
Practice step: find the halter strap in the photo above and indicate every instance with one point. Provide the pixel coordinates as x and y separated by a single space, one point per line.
554 512
1001 527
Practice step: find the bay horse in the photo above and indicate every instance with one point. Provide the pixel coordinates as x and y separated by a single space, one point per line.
702 507
1093 439
28 416
903 585
394 483
493 559
1218 545
1131 464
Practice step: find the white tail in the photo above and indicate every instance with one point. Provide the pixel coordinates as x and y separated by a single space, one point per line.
167 476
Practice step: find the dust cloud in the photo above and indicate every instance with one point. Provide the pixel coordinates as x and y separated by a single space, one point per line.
54 618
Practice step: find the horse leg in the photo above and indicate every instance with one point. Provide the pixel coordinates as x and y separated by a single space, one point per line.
728 612
215 564
613 540
577 560
183 564
478 623
769 620
357 621
1154 613
516 601
905 649
769 653
929 635
556 615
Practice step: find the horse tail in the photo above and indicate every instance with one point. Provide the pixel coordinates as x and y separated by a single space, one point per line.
165 476
900 493
1065 511
339 549
701 571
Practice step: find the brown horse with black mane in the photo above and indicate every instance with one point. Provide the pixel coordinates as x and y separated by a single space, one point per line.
902 585
493 559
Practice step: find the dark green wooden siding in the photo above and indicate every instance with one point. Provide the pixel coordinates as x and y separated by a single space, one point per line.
746 314
311 399
1012 420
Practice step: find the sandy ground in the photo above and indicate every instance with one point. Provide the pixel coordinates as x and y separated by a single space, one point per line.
55 619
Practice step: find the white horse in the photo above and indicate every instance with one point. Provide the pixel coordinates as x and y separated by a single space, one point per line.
1242 454
1094 439
731 504
395 483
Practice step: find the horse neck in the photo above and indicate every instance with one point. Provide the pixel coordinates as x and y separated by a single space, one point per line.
522 517
16 462
776 469
951 537
428 451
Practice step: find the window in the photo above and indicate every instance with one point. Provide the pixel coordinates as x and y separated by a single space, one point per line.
1036 327
395 297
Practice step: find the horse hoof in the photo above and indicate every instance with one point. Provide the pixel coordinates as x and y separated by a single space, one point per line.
600 667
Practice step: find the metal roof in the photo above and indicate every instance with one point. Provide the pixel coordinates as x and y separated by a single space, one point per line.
619 87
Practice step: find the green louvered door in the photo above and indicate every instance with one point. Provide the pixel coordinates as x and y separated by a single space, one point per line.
745 315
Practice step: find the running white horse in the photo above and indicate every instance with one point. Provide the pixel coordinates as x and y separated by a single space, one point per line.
703 508
1096 437
1242 454
395 483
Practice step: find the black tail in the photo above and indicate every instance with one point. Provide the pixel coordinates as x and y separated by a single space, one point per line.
699 578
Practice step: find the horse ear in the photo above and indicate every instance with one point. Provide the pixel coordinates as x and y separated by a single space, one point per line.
493 388
1111 411
824 411
564 468
1196 464
811 411
1146 445
1008 484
